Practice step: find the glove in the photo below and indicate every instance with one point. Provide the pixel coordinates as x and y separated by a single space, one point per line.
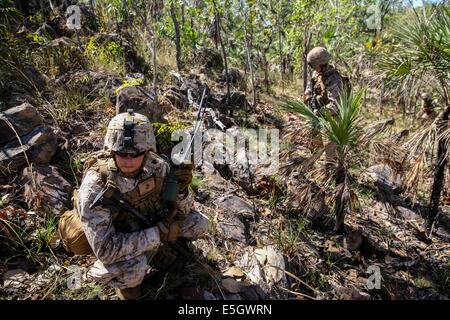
184 176
169 230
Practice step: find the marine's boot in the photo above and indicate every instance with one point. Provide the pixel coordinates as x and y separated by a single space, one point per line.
129 293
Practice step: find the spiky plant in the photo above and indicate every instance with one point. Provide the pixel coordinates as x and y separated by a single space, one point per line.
344 131
422 52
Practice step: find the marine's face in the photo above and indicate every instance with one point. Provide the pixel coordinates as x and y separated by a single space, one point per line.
129 164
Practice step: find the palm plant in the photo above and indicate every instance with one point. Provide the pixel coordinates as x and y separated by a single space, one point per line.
422 55
420 52
344 132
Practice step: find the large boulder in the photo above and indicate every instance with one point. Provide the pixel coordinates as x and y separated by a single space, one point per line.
23 118
207 59
46 189
90 82
36 80
231 221
175 97
384 177
39 145
235 77
141 100
237 101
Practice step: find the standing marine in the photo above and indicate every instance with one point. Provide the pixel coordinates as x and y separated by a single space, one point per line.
325 88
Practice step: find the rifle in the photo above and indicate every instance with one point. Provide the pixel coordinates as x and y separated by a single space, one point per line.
312 101
171 186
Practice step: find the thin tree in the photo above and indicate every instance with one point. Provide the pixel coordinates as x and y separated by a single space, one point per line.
249 61
224 55
177 36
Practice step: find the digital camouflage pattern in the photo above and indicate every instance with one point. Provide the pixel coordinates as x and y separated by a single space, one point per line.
144 138
122 256
328 87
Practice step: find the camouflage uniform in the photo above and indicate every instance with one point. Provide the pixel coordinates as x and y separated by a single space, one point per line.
123 248
328 87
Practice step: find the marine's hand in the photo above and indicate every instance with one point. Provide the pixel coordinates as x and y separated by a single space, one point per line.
184 176
169 231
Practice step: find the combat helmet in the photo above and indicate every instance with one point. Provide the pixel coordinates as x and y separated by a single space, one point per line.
317 57
130 132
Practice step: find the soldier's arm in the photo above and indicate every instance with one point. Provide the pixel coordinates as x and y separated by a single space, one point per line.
184 204
107 245
308 93
333 91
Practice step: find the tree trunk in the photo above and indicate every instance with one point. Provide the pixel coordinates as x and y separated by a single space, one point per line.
249 62
441 162
177 37
307 41
279 49
339 208
183 20
227 78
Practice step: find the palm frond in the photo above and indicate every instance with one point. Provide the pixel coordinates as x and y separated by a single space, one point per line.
375 129
414 176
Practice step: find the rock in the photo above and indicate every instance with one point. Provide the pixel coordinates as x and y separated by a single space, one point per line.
263 267
38 79
54 191
232 228
231 285
353 240
15 278
249 293
18 99
236 204
273 262
237 101
103 37
350 293
141 100
65 43
231 222
382 175
408 214
207 59
24 119
193 89
175 98
40 146
90 82
235 77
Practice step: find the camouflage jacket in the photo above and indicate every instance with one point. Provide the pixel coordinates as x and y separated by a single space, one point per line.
328 87
110 244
